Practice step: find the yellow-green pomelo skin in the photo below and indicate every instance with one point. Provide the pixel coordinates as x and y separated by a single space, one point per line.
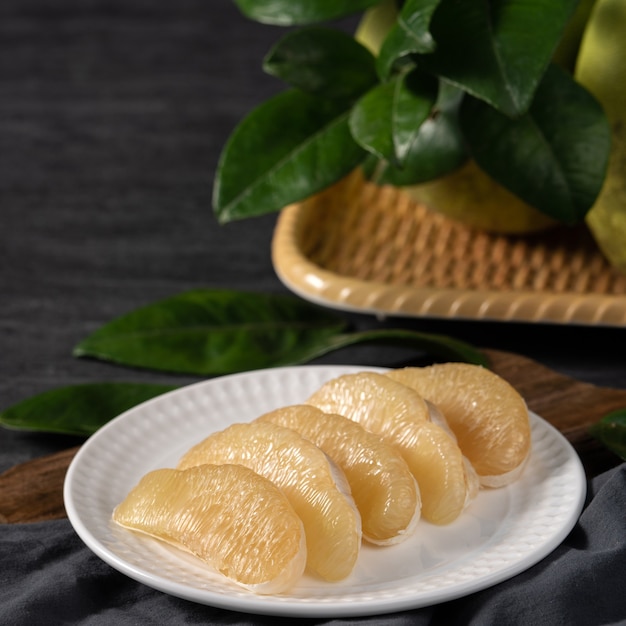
376 24
470 197
601 68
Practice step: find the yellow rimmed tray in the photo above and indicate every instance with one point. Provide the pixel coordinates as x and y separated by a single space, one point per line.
361 247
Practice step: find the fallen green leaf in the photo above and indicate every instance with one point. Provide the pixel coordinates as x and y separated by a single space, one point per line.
78 409
611 432
212 332
208 332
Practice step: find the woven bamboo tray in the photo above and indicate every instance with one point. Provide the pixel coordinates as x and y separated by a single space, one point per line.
365 248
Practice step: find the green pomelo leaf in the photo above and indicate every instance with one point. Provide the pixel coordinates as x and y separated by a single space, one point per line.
554 157
324 62
78 409
284 151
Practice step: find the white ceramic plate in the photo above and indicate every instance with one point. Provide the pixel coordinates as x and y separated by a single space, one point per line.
502 533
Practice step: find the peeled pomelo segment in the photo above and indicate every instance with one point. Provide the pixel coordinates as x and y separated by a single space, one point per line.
448 482
487 414
383 488
400 416
371 397
316 488
234 520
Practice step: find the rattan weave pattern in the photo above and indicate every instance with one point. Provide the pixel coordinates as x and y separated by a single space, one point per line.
357 234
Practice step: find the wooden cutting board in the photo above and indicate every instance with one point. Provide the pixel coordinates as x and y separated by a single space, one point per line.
33 491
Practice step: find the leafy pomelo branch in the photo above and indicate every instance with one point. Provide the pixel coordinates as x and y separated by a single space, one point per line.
214 332
451 81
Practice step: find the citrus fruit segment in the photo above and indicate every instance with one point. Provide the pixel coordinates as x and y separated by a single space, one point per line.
383 488
316 488
373 398
236 521
488 416
400 415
